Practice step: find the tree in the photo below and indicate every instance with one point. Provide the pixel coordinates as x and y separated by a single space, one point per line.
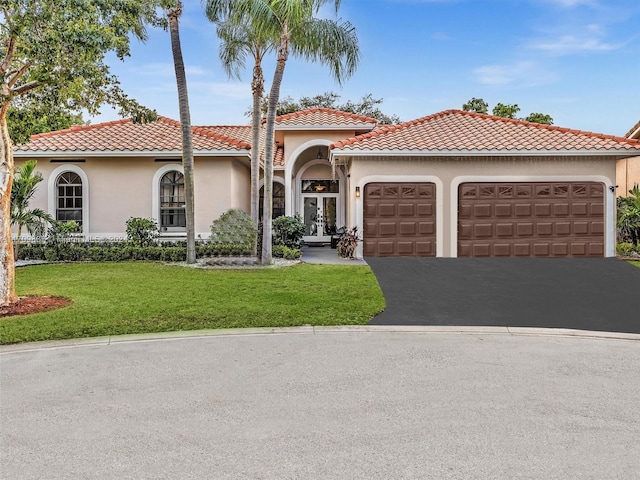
57 49
478 105
173 14
541 118
29 115
239 40
25 182
367 106
506 111
300 32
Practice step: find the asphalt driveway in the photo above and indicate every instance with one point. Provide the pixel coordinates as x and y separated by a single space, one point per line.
586 294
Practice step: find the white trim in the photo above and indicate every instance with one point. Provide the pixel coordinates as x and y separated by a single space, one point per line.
336 152
609 199
279 180
327 127
75 154
358 205
155 193
289 189
341 203
52 193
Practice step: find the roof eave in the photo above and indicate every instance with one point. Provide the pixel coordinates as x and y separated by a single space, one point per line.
126 153
325 127
334 152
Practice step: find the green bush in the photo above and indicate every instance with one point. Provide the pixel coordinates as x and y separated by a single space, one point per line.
626 249
142 232
288 231
282 251
233 232
628 217
96 251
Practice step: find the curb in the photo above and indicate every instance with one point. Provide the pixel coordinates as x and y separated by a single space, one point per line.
311 330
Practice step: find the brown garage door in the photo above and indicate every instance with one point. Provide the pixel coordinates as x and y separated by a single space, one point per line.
400 219
562 219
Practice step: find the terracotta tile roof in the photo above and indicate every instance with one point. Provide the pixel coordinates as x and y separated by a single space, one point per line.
126 136
244 134
239 132
457 130
634 132
324 116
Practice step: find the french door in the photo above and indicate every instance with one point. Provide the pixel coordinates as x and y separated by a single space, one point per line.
319 215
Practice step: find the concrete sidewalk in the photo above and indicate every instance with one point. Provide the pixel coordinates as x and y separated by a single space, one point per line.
327 255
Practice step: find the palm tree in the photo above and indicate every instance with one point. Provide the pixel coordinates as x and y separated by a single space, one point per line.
25 182
298 31
238 41
173 14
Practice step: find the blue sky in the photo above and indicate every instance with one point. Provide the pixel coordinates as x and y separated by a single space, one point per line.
577 60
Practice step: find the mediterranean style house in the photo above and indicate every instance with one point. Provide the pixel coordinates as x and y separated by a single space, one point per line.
628 169
451 184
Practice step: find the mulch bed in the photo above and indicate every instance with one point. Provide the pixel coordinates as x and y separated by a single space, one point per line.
29 305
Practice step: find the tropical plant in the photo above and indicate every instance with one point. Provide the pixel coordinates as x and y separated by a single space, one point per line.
238 41
174 11
298 30
348 243
35 220
56 51
288 231
628 218
142 232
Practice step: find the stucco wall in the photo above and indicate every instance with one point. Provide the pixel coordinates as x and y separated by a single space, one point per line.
627 175
449 172
123 187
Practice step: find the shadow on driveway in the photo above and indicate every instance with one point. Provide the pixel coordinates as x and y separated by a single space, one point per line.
585 294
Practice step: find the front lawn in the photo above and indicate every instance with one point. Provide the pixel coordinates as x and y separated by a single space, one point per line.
120 298
635 262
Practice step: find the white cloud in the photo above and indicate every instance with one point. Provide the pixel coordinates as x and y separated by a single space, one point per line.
525 73
568 44
571 3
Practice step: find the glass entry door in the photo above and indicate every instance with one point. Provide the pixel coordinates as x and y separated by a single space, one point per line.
319 215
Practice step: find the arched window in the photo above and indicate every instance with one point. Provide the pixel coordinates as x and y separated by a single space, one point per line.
69 197
278 200
172 201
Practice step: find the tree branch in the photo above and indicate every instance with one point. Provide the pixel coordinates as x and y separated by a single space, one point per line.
19 73
25 88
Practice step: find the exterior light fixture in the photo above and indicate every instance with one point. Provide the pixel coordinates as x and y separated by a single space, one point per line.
319 156
357 192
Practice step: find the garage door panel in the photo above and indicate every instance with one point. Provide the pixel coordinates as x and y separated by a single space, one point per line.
426 228
387 210
399 219
406 210
544 219
387 229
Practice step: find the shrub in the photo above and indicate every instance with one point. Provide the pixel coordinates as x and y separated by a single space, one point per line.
282 251
348 243
626 249
142 232
288 231
628 220
235 231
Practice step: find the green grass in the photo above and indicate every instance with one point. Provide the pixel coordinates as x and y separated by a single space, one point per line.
121 298
635 262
